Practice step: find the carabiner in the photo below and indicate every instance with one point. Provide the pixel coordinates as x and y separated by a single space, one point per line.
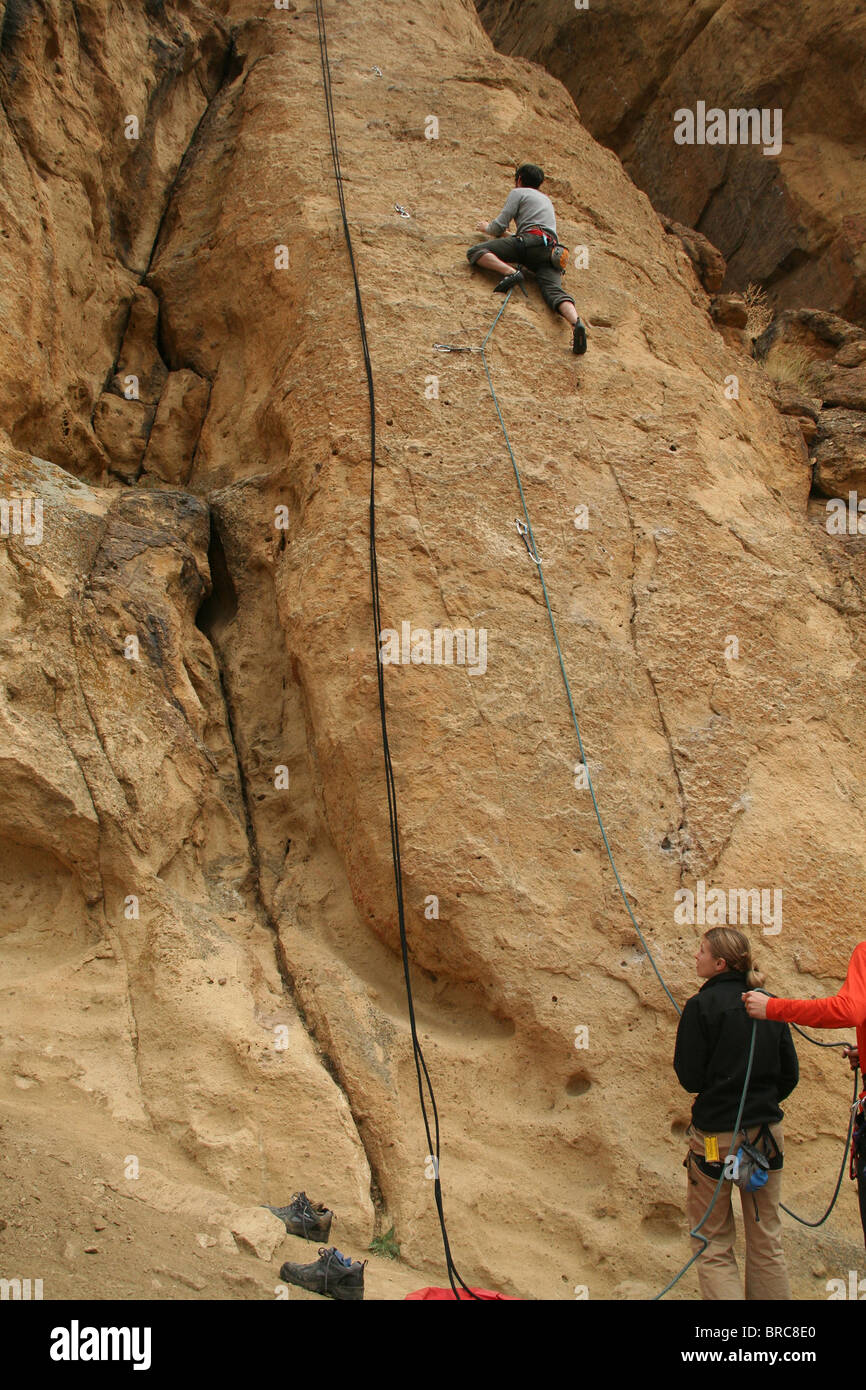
523 533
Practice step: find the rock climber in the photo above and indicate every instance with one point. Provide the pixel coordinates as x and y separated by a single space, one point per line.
843 1010
535 240
711 1055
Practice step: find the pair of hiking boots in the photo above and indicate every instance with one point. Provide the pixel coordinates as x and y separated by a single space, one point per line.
333 1273
578 337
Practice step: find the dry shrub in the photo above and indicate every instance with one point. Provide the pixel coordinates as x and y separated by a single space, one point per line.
791 365
760 311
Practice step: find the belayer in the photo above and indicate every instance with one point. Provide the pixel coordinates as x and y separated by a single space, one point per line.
534 246
843 1010
711 1057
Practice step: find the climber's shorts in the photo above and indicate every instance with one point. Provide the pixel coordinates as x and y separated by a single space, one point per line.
519 251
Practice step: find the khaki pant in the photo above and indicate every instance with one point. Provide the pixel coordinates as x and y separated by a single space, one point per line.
719 1278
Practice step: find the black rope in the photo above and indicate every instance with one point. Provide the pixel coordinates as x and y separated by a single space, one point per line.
817 1042
420 1064
844 1156
433 1146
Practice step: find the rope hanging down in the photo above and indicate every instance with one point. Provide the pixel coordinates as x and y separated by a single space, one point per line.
420 1065
818 1042
837 1189
537 561
526 532
422 1073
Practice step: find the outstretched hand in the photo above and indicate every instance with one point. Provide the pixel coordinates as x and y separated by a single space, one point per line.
756 1003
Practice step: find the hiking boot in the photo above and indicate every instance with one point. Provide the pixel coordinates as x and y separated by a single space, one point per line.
578 342
333 1274
304 1218
515 278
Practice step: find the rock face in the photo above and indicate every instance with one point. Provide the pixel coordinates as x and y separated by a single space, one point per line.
200 958
795 220
707 260
821 362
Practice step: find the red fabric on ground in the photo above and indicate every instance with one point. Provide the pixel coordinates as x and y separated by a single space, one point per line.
433 1295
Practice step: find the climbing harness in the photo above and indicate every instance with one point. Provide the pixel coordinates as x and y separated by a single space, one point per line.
558 252
422 1074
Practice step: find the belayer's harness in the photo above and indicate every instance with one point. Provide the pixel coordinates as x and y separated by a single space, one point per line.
747 1165
558 252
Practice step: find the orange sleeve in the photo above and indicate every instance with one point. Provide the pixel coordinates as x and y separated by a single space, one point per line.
841 1010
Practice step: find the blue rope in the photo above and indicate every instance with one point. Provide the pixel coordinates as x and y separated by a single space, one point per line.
696 1230
537 562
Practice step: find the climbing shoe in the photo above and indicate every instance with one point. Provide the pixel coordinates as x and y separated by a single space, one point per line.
333 1274
578 342
515 278
305 1218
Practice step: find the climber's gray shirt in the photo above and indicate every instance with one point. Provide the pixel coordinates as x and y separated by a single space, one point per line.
529 207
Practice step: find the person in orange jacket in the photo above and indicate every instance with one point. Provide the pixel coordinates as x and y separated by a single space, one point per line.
843 1010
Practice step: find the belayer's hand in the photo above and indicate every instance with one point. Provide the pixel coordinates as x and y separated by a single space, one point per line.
481 226
853 1057
756 1003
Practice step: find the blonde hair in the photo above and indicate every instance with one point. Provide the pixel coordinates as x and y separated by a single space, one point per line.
735 949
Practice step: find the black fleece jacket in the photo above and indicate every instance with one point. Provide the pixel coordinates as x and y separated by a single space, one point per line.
712 1051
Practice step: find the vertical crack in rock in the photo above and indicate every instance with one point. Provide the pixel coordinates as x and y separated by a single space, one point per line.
216 610
233 65
682 828
231 68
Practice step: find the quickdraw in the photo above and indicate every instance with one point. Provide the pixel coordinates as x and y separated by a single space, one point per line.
523 533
